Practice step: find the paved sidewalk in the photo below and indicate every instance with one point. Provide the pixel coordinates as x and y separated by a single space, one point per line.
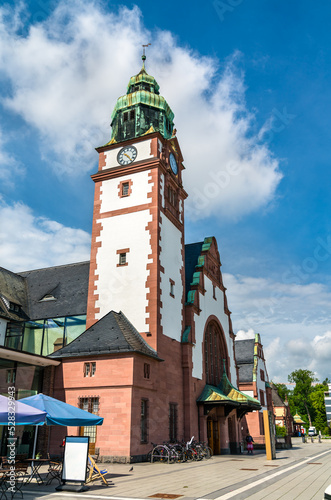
302 473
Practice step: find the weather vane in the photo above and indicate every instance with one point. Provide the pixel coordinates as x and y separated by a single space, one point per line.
144 55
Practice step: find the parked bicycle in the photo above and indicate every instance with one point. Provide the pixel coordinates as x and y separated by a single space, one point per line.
180 452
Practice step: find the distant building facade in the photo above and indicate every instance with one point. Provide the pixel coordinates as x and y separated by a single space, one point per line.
254 381
282 412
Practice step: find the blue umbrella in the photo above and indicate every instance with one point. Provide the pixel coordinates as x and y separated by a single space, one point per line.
22 415
60 413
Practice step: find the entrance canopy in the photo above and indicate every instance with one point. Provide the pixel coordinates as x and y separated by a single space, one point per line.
226 395
60 413
23 413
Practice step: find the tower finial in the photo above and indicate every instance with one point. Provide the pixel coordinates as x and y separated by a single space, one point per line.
144 55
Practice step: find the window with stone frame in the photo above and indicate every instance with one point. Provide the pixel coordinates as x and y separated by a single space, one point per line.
122 259
262 375
125 189
215 354
172 288
262 401
87 369
90 404
147 370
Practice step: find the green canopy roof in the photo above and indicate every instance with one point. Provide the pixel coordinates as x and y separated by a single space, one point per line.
225 392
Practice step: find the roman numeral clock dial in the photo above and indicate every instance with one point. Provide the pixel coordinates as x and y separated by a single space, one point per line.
127 155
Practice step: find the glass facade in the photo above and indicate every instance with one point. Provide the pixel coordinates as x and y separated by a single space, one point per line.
27 380
46 335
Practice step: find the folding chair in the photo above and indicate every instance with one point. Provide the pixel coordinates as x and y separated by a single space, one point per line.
54 470
95 473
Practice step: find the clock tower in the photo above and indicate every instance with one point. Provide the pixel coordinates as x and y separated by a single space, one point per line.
137 252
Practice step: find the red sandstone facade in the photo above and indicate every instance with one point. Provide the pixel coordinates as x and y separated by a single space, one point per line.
177 303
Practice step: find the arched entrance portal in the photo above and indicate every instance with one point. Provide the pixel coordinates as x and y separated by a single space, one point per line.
216 358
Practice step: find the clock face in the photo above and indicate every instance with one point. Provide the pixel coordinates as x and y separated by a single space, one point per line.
127 155
173 164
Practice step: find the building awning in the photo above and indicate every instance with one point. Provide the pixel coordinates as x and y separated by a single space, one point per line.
25 357
226 395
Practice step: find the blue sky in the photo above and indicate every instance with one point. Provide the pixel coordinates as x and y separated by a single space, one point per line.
249 83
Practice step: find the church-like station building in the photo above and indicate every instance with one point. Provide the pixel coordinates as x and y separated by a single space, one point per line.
141 334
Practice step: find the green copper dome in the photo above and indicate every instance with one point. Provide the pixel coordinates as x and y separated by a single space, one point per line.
141 110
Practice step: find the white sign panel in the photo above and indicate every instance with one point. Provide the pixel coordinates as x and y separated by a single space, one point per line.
75 458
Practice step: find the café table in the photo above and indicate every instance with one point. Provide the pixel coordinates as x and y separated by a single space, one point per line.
35 464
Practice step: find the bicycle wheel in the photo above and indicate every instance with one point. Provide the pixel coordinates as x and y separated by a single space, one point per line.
206 451
188 455
178 449
160 454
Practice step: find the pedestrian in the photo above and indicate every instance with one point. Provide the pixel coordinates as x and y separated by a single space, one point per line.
249 441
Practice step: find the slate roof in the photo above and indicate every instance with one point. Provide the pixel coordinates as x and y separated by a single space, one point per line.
245 372
67 284
112 334
276 399
244 351
192 253
12 290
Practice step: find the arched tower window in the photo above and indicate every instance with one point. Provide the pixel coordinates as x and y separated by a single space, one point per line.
215 351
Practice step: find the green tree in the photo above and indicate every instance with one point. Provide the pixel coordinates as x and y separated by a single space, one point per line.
318 405
303 380
282 390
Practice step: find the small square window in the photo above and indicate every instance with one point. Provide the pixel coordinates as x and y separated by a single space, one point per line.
122 259
125 189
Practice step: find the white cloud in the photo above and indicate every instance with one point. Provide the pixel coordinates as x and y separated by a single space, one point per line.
243 335
291 319
68 70
30 242
9 166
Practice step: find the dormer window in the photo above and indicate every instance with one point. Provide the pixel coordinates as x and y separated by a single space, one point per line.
47 297
14 307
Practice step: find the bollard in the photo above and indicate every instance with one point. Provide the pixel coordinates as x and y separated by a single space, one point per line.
303 438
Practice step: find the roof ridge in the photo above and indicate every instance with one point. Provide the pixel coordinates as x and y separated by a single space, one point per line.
52 267
127 324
